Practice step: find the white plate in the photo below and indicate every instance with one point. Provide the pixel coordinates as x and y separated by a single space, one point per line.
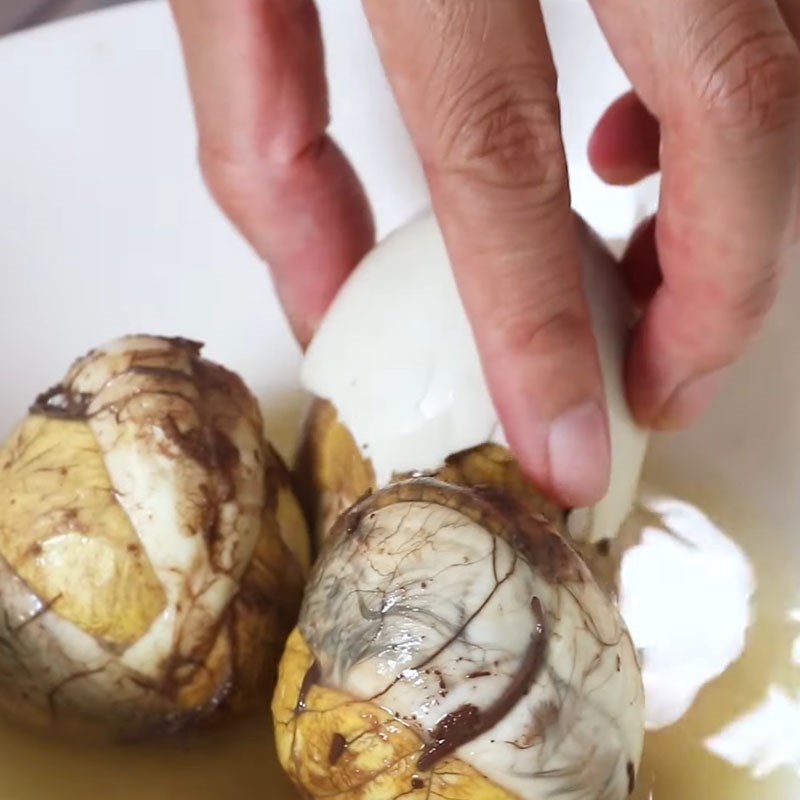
105 228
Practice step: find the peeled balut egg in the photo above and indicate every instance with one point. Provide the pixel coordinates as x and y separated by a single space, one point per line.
152 553
452 644
400 390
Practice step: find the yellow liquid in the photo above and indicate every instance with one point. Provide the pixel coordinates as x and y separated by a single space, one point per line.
240 762
237 763
677 765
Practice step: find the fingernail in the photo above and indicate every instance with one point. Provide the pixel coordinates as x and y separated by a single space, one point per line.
579 451
689 400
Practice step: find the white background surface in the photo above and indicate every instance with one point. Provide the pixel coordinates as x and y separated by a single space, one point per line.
105 227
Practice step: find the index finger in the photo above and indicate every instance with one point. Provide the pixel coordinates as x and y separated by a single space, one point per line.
477 86
256 72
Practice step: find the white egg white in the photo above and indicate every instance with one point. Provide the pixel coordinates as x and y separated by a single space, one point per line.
397 358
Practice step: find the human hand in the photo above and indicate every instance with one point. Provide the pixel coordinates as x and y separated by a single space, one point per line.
717 109
719 82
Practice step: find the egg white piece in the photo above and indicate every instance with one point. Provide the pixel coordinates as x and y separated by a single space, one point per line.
397 358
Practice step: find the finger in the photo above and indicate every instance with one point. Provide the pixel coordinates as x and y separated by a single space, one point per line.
476 84
724 80
640 267
257 78
791 13
624 147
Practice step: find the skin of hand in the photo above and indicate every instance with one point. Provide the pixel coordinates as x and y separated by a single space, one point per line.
715 107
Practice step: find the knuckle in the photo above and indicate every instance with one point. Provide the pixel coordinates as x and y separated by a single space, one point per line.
504 130
544 330
223 169
748 79
717 338
758 297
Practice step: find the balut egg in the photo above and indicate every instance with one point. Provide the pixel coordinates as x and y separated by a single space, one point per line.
152 553
451 644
